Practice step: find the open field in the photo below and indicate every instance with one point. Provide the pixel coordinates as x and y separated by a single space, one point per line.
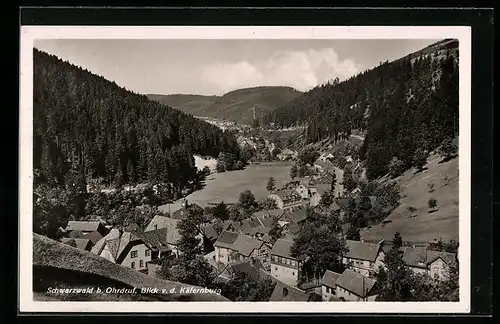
227 186
425 227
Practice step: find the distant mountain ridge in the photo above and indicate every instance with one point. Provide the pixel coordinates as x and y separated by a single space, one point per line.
235 105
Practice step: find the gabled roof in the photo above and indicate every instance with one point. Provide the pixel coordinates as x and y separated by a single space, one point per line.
250 267
362 250
165 222
79 243
420 257
158 240
323 188
286 193
343 202
356 283
296 216
113 234
241 243
209 231
284 292
82 226
330 278
282 248
94 237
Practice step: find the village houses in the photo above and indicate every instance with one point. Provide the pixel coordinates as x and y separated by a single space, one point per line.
348 286
284 267
364 258
434 264
231 247
287 199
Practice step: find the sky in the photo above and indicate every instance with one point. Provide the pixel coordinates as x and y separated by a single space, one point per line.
214 67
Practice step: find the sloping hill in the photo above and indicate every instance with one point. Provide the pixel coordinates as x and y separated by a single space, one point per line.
235 105
196 105
406 108
439 181
62 266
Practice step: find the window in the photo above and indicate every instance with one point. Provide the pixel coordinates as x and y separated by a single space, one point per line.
132 265
287 261
276 268
141 264
133 254
293 273
147 252
293 263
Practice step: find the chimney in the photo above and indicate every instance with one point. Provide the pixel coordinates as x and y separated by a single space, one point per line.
285 292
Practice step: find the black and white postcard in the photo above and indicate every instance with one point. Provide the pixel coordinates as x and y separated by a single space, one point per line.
245 169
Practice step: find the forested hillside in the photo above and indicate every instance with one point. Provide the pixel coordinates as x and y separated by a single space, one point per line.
196 105
235 105
88 127
407 108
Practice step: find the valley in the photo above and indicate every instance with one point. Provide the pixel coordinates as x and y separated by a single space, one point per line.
257 192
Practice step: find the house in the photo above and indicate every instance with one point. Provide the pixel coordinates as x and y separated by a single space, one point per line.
324 166
434 264
99 245
251 267
170 224
287 199
267 217
79 243
329 285
286 155
135 250
364 258
352 286
284 292
183 212
327 210
210 235
321 190
231 247
296 217
284 267
86 227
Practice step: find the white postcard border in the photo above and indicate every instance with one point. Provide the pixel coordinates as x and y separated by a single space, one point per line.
31 33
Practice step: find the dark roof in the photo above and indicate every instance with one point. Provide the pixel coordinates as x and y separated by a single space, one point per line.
330 278
282 248
343 202
420 257
246 266
79 243
173 235
296 216
226 239
362 250
113 234
82 226
75 234
209 231
157 239
355 283
242 243
94 237
284 292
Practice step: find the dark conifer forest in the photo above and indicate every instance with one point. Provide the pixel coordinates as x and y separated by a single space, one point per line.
85 123
88 128
407 108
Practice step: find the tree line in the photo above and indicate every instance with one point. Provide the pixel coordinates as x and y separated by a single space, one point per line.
86 127
407 109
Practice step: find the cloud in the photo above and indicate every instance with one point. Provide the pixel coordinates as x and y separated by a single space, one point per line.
301 70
